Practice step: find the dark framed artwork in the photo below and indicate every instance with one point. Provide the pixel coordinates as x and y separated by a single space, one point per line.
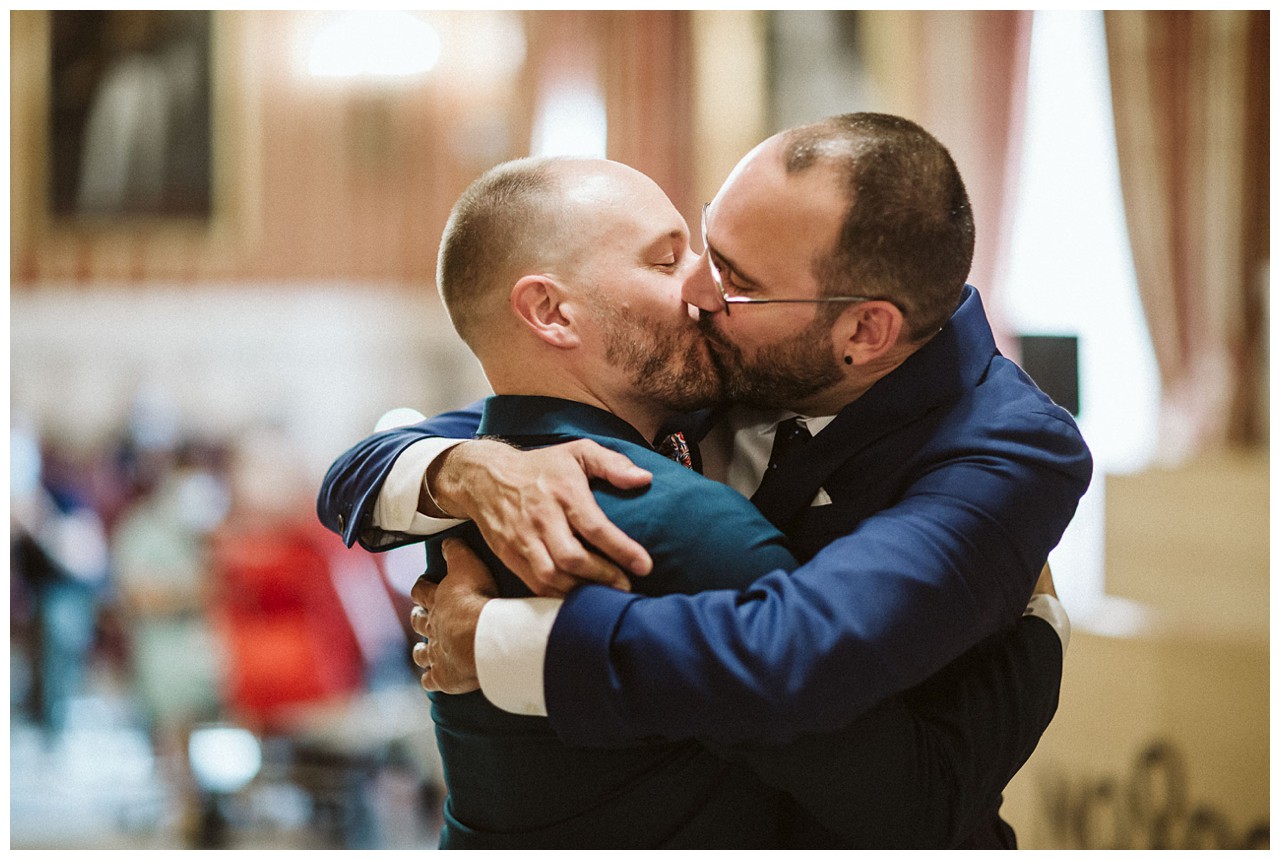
130 114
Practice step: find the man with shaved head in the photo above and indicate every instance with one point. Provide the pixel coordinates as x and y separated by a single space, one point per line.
920 477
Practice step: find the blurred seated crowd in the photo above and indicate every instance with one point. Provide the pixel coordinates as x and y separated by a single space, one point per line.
191 578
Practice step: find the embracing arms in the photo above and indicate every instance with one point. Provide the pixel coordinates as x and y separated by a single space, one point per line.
534 509
877 611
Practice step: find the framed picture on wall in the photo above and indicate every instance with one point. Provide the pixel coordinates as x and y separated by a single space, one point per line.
130 114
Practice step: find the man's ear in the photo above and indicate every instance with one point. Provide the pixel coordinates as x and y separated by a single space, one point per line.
868 331
540 304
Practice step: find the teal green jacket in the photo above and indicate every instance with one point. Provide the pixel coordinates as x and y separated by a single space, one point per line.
511 782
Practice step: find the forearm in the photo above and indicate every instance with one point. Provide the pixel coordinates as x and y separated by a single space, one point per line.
511 652
808 652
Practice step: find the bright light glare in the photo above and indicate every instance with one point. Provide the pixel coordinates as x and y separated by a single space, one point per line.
490 46
386 44
570 121
224 759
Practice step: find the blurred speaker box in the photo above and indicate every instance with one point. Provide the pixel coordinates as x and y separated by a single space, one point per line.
1053 362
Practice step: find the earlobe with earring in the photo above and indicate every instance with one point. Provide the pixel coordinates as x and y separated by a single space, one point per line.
848 359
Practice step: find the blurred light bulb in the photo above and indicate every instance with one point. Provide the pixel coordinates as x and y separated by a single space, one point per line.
384 44
224 759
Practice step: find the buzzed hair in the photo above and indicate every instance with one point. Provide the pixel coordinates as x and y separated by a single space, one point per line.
908 233
500 223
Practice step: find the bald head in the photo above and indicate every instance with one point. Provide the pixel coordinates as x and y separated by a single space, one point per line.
530 216
564 277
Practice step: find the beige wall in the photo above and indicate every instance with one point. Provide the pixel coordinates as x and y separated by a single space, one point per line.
1179 656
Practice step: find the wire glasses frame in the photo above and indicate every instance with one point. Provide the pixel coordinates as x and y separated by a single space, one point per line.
728 300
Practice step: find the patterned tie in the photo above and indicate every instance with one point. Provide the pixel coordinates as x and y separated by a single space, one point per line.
674 447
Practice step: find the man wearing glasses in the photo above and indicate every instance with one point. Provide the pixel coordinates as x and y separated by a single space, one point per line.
935 482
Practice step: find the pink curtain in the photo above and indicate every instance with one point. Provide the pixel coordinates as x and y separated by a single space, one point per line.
648 86
642 64
971 94
1190 93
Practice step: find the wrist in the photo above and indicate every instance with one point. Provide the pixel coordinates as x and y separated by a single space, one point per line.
453 479
435 504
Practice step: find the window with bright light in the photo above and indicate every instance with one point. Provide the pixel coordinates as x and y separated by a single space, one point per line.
570 120
1071 271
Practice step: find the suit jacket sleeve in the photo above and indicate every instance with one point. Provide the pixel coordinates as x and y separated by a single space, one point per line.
350 488
874 613
918 769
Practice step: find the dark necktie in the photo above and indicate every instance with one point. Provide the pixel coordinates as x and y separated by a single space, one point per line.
790 437
788 441
674 447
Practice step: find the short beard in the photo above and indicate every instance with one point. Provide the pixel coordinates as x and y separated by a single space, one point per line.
673 372
781 375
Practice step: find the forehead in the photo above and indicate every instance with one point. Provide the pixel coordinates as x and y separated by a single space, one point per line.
770 217
618 206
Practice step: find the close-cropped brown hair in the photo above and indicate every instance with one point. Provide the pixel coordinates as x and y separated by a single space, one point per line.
908 233
497 225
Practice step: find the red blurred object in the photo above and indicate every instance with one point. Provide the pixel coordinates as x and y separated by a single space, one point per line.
289 640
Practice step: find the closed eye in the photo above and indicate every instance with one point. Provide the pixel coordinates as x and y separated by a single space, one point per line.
732 285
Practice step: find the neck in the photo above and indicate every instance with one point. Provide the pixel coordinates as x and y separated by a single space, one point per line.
645 417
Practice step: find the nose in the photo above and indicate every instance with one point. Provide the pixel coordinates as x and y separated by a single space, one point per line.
699 290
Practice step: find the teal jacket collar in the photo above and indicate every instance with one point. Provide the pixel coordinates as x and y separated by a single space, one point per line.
520 416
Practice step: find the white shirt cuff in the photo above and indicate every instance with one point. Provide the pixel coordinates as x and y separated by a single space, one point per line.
512 636
511 648
1049 608
396 509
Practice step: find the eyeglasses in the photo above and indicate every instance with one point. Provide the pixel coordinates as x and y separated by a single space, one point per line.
728 300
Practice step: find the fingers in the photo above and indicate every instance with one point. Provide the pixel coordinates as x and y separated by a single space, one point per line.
597 568
530 561
547 576
418 621
582 565
466 570
422 659
423 592
609 540
590 522
617 469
